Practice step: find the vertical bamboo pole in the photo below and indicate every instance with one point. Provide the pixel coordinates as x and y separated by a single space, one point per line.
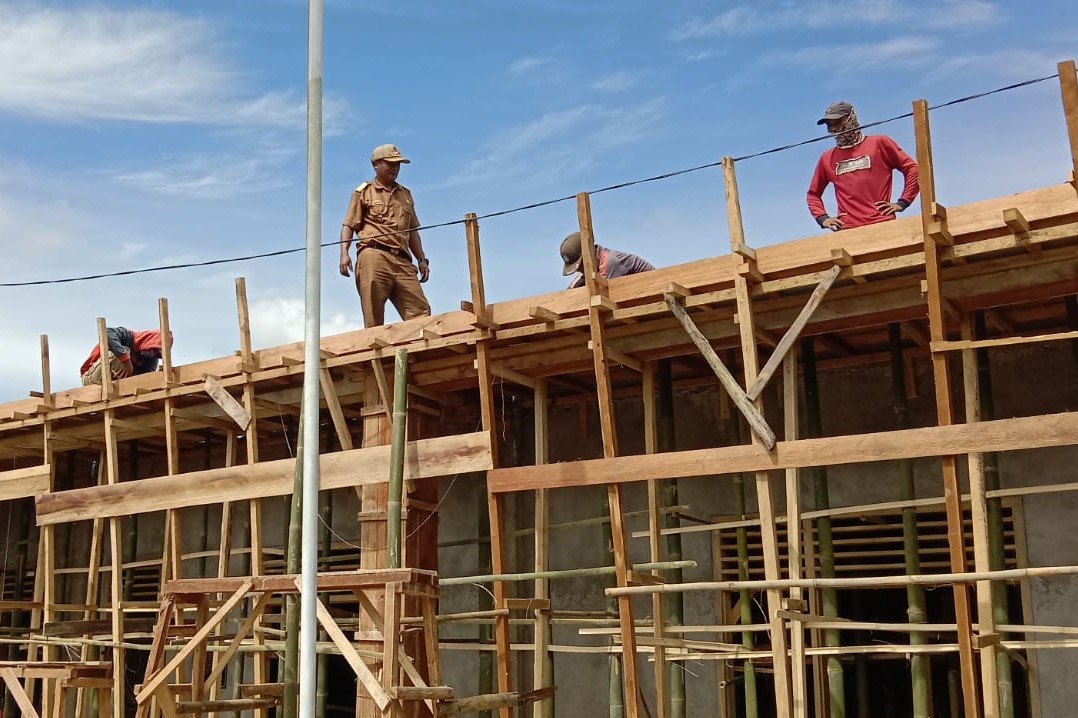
981 549
543 659
396 464
836 680
293 561
798 678
752 700
45 567
944 410
596 287
655 524
915 595
769 537
1068 86
674 604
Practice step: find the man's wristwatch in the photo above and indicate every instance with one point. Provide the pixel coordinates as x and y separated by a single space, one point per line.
425 261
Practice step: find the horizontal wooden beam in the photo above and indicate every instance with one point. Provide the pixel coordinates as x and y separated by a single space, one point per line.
423 459
1001 435
20 483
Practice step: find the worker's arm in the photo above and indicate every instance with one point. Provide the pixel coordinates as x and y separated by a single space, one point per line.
353 218
814 197
121 344
346 258
896 158
415 244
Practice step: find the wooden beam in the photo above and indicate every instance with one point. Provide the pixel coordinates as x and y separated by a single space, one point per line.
792 334
336 412
227 403
425 458
21 483
752 415
1031 432
941 372
769 537
46 374
1068 86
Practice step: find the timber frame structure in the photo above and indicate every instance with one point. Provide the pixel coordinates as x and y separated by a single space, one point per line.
91 472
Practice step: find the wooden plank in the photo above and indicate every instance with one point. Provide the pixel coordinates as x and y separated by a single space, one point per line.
227 403
21 483
1068 86
336 412
14 686
751 413
1031 432
792 334
964 344
363 674
941 374
746 324
627 625
220 615
425 458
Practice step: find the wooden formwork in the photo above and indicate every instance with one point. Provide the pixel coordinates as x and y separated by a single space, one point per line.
214 433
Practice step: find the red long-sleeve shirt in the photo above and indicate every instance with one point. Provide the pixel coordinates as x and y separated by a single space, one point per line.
862 176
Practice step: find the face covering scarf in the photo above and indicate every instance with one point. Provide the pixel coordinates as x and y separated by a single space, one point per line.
849 132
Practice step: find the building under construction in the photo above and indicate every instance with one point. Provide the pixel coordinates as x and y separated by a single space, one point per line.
829 477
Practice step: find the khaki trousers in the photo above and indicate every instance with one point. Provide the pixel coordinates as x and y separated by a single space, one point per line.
93 374
382 276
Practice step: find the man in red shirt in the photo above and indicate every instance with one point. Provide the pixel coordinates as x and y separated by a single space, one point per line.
860 166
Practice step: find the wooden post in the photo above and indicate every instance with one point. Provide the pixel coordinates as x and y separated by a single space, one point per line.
768 535
495 506
1068 85
257 566
46 373
170 567
944 411
106 365
596 288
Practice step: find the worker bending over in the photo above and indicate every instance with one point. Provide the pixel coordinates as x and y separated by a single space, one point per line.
611 262
130 353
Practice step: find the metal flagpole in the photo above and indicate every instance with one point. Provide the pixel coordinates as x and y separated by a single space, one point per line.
308 629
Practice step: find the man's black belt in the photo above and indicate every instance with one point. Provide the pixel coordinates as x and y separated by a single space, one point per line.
392 250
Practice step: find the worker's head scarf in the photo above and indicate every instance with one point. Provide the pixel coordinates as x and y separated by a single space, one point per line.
849 132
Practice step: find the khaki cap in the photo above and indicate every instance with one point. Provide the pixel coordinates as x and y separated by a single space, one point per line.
389 153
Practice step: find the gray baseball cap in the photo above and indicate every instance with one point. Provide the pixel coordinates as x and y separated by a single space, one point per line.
835 111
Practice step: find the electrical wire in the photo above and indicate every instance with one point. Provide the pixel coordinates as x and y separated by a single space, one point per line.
523 208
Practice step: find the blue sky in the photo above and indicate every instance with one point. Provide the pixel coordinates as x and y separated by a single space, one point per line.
138 134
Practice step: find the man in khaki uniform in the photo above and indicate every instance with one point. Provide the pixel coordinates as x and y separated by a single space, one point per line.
382 215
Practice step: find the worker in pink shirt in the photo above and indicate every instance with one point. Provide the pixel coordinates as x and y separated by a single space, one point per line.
860 166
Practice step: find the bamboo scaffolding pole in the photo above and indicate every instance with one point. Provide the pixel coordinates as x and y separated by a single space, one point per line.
994 508
674 607
543 659
915 596
836 680
744 596
396 464
928 579
562 573
293 558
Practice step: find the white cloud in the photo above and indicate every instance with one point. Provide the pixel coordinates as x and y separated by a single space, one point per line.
569 141
528 65
211 177
280 321
146 65
773 17
857 58
616 82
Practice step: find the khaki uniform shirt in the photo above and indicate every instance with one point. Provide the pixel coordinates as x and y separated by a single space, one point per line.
382 215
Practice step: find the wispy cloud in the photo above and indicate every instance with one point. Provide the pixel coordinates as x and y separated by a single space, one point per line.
760 18
857 58
146 65
569 141
211 177
616 82
528 65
